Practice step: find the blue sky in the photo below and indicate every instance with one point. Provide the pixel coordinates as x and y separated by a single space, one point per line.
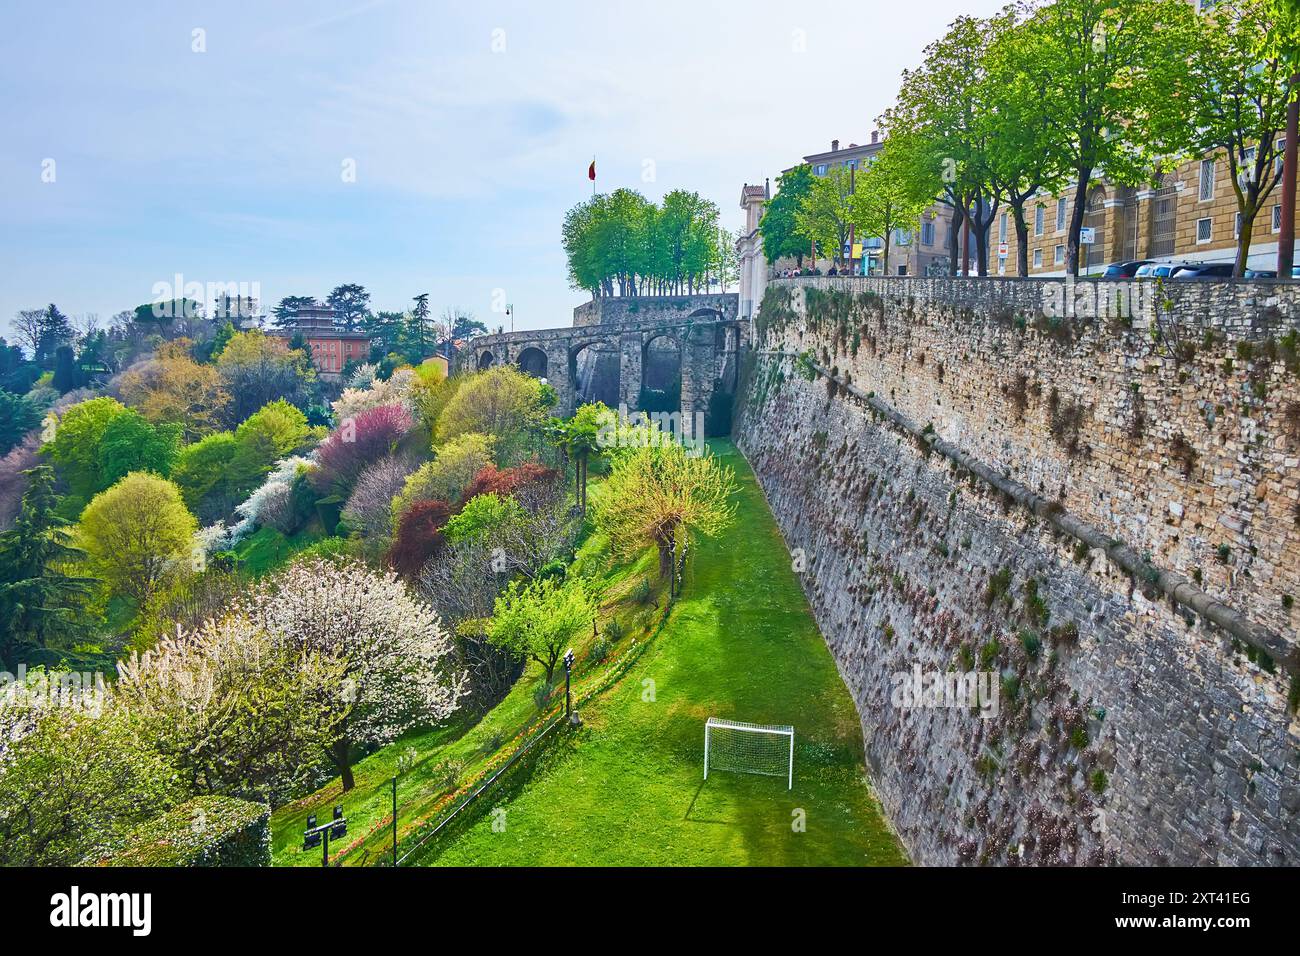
470 126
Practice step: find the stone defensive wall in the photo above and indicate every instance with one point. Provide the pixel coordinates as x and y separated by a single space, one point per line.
1081 499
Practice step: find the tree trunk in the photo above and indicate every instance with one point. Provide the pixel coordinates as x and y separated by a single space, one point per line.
1022 239
954 238
664 540
339 753
981 241
1076 221
1243 240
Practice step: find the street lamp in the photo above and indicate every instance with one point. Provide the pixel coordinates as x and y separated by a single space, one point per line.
320 835
568 671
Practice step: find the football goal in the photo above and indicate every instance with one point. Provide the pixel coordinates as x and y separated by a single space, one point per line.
749 748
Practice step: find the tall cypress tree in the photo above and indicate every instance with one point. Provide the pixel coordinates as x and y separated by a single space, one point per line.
36 595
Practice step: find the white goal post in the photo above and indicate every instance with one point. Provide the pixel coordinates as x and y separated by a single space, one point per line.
749 748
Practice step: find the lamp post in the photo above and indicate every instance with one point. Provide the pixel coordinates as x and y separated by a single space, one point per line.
568 671
320 835
405 761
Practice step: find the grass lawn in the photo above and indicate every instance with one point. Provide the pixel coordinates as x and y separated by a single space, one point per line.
626 788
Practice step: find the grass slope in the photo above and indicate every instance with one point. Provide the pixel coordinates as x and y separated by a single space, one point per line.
626 788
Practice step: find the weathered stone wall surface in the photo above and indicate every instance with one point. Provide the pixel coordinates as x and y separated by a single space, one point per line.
1129 728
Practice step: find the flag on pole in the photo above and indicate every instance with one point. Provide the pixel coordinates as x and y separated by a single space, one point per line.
591 171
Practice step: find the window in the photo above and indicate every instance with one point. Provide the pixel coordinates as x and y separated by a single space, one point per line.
1280 158
1204 229
1207 180
1236 226
1058 255
1038 258
1060 214
903 237
1277 218
927 233
820 169
1002 228
1039 212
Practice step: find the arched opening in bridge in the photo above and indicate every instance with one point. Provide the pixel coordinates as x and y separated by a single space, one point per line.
532 361
595 370
661 374
485 360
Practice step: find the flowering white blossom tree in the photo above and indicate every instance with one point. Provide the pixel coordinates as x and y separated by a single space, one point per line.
397 389
273 493
398 668
236 708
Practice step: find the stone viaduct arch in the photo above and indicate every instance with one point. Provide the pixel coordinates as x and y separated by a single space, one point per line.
605 361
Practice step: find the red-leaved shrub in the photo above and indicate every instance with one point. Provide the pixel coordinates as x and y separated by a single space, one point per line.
509 481
356 443
419 536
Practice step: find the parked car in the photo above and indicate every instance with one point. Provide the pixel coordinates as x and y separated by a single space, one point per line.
1204 270
1261 274
1124 270
1157 270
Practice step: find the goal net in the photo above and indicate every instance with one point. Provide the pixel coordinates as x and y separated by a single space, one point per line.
749 748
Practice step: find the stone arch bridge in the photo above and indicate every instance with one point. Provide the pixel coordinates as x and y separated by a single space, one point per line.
613 361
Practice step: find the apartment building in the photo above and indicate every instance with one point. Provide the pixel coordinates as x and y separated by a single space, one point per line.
1187 215
332 347
920 250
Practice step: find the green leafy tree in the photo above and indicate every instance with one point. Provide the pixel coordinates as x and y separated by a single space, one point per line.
830 213
939 116
76 782
778 227
203 474
483 515
537 620
621 244
132 443
75 448
656 494
890 195
353 303
1022 156
54 332
1119 66
418 333
38 598
18 416
580 438
137 535
1236 103
286 312
501 401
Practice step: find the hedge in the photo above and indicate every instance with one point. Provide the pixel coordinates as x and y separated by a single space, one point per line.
205 831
